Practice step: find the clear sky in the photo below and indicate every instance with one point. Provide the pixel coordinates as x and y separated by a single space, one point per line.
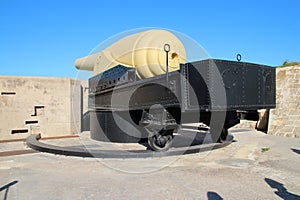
44 37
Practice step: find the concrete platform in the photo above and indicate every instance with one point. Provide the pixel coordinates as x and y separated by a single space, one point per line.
256 166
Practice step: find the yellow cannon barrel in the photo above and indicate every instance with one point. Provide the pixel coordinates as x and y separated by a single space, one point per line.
143 51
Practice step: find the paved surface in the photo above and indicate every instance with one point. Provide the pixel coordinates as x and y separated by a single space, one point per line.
239 171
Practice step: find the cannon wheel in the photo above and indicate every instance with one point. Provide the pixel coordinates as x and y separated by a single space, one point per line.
161 141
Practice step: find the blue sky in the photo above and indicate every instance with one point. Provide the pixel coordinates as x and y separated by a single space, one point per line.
44 37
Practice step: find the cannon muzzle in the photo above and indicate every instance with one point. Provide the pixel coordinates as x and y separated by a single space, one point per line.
143 51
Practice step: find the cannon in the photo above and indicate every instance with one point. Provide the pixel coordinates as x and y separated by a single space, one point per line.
142 51
129 102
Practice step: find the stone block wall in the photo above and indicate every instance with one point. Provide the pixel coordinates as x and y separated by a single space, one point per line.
285 119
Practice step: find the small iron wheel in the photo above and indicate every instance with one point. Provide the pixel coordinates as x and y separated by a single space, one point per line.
160 142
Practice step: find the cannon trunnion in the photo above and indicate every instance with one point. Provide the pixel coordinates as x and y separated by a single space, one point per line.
218 93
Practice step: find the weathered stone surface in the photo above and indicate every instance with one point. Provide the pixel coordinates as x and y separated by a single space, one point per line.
262 124
285 119
29 105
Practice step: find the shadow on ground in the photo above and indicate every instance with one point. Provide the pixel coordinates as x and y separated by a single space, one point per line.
281 190
213 196
6 188
296 150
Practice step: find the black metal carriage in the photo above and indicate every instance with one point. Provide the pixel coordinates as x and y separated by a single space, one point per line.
217 93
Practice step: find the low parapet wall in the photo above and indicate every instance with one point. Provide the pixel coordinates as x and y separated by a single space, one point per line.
32 105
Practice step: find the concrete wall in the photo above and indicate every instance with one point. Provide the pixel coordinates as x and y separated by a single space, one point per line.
85 122
50 106
285 119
